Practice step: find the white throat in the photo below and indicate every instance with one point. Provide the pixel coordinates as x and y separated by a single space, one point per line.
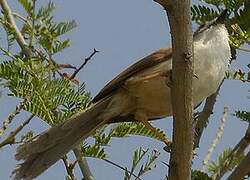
211 60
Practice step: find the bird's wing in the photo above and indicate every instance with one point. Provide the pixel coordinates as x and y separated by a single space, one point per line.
147 62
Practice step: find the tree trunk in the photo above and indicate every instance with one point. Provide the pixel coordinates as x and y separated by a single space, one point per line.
179 16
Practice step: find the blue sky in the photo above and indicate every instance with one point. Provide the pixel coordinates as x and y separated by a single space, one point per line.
123 32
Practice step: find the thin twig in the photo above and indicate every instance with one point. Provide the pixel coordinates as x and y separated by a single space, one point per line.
124 169
237 151
244 49
18 35
83 164
10 118
69 167
204 117
61 66
217 139
11 138
83 64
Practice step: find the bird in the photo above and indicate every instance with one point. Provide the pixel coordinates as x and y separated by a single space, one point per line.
139 93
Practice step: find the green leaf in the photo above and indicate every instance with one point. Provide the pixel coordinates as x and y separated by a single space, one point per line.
237 75
243 115
134 128
27 5
45 12
199 175
102 139
27 136
94 151
59 46
64 27
10 32
233 4
203 14
150 163
137 157
52 100
126 174
226 160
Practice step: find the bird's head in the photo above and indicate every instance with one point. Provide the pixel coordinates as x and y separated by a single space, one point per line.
213 30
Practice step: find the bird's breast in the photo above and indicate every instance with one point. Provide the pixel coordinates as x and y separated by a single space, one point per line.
152 96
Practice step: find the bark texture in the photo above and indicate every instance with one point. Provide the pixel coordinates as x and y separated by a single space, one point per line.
178 13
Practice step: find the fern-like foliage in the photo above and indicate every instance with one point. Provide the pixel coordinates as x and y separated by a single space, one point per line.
53 100
51 97
134 128
203 14
94 151
226 160
27 5
124 130
103 138
42 30
10 37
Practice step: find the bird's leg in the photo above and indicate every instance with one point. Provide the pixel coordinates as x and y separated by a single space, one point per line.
140 116
169 81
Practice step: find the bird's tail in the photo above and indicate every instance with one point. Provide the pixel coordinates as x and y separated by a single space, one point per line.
53 144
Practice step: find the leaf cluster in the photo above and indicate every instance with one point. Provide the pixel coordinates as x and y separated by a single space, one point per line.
37 80
199 175
226 161
138 156
39 28
103 138
53 100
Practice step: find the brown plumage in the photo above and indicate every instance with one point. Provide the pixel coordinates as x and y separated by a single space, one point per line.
114 103
147 62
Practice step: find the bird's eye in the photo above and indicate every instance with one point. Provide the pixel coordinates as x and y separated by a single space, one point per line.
201 28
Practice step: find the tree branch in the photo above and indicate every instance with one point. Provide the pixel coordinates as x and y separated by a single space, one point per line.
242 169
11 138
124 169
204 117
11 21
216 140
83 64
181 91
166 4
10 118
83 164
69 167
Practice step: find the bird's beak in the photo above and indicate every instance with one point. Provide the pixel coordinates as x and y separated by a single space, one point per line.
222 17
